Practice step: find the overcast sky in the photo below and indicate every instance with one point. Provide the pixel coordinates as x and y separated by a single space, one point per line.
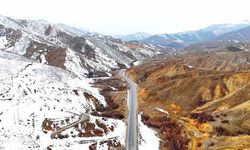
129 16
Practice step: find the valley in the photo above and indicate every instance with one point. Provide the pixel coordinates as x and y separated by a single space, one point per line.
67 88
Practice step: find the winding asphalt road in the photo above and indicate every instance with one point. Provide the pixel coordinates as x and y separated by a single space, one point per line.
131 139
82 119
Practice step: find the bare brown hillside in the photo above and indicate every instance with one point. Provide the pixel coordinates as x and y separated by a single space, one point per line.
206 95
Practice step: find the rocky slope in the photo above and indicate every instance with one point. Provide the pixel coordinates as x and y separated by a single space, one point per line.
197 101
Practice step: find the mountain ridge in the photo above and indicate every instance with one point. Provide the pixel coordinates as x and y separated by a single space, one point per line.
92 51
182 39
138 36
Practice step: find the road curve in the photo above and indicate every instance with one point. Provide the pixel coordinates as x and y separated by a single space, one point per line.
131 138
83 118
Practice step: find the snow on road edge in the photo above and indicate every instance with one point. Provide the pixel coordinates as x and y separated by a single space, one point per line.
148 138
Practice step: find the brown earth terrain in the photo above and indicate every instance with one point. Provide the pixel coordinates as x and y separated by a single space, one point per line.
206 96
115 92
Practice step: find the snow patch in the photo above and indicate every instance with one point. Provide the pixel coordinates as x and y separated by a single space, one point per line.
148 140
189 66
3 42
161 110
43 59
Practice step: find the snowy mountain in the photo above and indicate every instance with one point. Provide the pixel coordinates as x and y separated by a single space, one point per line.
180 40
135 36
69 48
74 30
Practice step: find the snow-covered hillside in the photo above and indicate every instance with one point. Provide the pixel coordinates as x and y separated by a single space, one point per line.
37 101
46 94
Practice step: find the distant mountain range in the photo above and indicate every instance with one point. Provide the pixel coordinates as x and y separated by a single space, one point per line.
131 47
241 35
183 39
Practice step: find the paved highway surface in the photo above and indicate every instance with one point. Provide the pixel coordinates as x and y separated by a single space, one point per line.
131 139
